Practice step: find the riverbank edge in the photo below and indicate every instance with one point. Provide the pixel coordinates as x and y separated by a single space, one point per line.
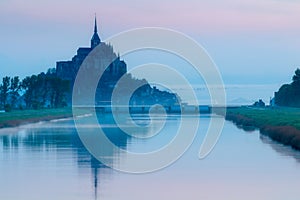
19 118
285 134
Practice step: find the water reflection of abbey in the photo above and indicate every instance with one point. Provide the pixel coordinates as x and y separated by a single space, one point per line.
62 139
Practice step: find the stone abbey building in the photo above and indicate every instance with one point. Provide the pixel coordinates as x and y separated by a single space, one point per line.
67 70
116 68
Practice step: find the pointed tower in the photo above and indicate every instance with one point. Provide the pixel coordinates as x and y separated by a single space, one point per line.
95 39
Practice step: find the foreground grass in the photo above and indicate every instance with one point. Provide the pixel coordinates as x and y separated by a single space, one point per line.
16 118
260 117
280 124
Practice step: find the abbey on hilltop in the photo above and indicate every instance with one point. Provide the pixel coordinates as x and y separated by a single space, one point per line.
116 68
67 70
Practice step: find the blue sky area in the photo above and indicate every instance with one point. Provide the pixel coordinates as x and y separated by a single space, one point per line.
251 41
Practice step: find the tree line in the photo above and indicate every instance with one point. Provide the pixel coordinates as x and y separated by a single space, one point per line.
289 94
34 92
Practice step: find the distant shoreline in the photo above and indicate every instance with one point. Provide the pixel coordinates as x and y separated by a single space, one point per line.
280 124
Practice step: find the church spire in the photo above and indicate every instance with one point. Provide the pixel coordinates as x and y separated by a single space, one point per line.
95 39
95 27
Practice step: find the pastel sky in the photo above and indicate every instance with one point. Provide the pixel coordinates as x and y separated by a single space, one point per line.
251 41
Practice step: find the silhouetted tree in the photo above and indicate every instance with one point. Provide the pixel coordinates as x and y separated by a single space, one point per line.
296 77
14 90
45 89
28 85
58 91
289 94
4 91
296 84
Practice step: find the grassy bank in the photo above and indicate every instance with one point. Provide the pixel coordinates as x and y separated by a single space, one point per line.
16 118
280 124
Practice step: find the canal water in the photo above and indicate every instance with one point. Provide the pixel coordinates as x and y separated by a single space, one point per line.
47 160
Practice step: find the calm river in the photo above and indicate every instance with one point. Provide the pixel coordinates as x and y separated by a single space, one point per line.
48 161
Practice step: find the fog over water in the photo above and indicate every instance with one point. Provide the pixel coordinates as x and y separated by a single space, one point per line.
48 161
